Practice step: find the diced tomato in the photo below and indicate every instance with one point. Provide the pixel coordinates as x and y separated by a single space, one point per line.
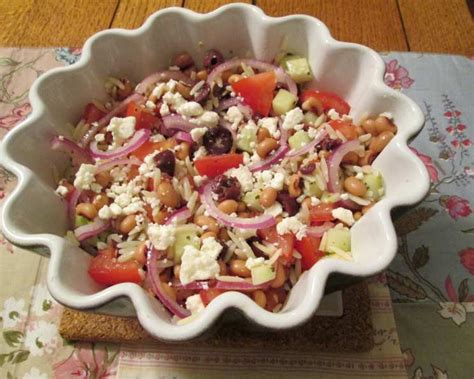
214 165
321 212
92 113
308 247
346 128
208 295
328 99
285 242
105 269
144 119
149 147
257 91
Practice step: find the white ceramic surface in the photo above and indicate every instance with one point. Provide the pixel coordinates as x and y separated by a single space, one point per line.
33 215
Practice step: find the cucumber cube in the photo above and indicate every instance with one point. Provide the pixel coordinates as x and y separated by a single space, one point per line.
247 139
262 274
184 238
338 238
297 67
283 102
374 184
252 200
299 139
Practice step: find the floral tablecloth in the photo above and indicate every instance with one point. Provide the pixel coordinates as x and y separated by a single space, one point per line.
429 279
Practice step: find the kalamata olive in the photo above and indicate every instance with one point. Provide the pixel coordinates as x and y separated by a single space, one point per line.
226 188
308 169
203 94
165 161
289 204
256 250
218 140
328 144
212 58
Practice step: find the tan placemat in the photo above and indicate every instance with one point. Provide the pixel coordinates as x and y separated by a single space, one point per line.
352 332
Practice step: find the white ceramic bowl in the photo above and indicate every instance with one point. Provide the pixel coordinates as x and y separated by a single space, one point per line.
34 215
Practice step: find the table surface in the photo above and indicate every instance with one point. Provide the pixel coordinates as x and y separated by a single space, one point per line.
442 26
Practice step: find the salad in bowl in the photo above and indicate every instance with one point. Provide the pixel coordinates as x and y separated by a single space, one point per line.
215 176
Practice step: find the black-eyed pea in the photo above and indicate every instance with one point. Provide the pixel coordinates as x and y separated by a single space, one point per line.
103 178
350 158
170 291
294 187
100 201
127 224
208 235
383 124
182 151
266 146
167 194
367 158
381 141
223 235
139 253
237 267
268 197
160 217
262 134
369 127
184 91
280 277
314 105
355 186
87 210
207 223
202 75
260 298
228 206
357 215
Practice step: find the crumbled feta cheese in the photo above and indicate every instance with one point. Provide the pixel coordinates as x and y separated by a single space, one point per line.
360 175
275 209
313 132
150 104
314 201
190 109
96 187
346 118
254 262
345 215
123 200
198 179
243 175
234 116
85 176
164 109
159 90
173 99
292 225
197 134
99 137
161 236
115 209
61 191
201 152
344 196
194 304
333 115
148 168
157 138
121 129
105 213
200 264
208 119
292 118
271 124
277 181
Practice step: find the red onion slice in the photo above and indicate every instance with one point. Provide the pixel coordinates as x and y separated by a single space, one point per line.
194 286
334 161
240 286
181 214
152 274
138 139
107 165
176 122
282 76
309 146
318 231
270 161
349 204
227 103
162 76
90 230
77 153
183 136
260 222
95 127
71 205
